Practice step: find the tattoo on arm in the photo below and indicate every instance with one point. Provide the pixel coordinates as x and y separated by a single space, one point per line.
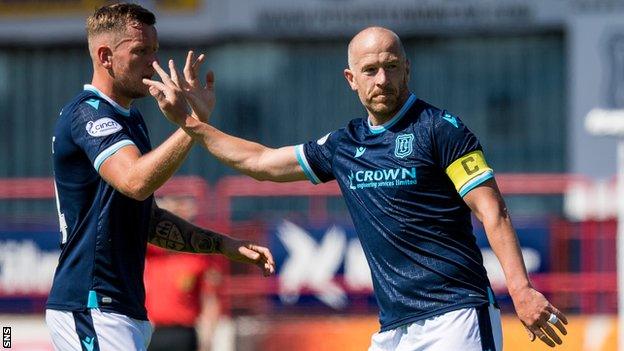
172 232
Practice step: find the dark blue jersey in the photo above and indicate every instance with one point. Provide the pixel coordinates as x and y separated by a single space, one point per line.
402 183
103 232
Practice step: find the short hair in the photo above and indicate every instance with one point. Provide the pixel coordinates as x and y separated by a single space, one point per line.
116 17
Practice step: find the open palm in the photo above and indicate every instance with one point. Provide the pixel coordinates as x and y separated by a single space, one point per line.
200 97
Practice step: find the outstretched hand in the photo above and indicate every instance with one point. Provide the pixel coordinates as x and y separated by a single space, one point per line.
247 252
176 92
201 97
539 316
170 97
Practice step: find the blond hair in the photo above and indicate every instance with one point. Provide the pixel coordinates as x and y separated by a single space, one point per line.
116 17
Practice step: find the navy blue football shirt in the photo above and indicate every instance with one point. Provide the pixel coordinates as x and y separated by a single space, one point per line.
403 184
103 232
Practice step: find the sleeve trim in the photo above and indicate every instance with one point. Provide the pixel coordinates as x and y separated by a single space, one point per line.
303 162
108 152
474 182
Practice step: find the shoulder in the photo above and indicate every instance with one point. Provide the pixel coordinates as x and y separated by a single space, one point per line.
88 105
334 137
357 129
425 113
93 113
438 118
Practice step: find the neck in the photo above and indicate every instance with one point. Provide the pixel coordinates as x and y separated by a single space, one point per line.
105 85
378 119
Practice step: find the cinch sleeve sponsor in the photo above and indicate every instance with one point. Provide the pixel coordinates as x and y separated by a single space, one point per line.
99 134
469 171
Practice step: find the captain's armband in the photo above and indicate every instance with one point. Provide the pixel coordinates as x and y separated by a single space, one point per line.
469 171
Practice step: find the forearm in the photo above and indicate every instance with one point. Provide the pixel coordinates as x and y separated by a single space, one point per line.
174 233
240 154
150 171
250 158
504 243
532 307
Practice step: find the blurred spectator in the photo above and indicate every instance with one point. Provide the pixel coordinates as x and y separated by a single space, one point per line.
181 291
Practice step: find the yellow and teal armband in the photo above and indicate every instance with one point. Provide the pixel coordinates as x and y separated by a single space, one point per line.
469 171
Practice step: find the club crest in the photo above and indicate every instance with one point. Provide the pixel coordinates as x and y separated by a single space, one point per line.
404 145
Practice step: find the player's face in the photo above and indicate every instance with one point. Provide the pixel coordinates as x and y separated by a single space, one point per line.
379 74
132 59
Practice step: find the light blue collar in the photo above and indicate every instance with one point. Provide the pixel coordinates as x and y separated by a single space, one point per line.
382 128
118 107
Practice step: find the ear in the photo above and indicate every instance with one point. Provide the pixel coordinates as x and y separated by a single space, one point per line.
348 74
104 56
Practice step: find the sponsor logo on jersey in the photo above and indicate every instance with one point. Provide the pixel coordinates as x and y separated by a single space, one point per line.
404 145
102 127
382 178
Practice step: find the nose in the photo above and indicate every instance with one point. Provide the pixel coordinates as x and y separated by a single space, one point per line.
381 79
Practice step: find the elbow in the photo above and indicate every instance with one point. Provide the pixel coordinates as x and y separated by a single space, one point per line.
495 218
258 172
137 190
269 175
260 176
140 196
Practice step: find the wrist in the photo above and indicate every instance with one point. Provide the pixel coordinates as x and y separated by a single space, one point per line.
517 288
192 125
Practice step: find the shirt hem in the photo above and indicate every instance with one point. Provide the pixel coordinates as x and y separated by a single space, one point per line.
416 317
72 308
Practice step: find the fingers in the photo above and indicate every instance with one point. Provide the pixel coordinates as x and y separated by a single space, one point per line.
543 330
197 64
188 66
210 80
161 72
192 66
560 316
261 256
268 257
250 254
561 320
154 83
543 337
548 330
155 92
174 74
530 334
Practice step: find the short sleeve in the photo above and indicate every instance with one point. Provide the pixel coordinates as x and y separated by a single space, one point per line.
460 154
315 158
99 135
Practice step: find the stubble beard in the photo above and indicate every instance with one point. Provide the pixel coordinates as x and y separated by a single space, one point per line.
384 110
131 89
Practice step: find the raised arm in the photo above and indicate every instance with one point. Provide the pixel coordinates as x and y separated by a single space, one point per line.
174 233
138 176
532 307
253 159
